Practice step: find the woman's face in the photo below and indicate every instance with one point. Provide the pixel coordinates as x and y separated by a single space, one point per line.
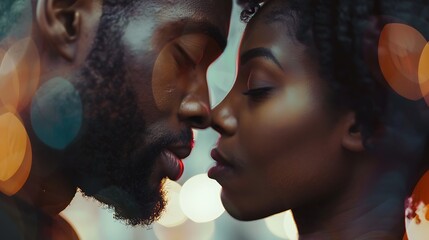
280 146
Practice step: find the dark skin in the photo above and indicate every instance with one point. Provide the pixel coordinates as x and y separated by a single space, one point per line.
282 146
168 46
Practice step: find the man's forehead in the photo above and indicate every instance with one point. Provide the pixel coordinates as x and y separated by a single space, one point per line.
199 5
183 26
215 11
158 22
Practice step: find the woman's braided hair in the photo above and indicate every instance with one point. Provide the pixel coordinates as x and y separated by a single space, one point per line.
250 7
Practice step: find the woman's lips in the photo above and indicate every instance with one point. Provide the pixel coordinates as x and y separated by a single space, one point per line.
222 169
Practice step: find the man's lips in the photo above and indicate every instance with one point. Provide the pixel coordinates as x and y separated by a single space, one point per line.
181 151
171 160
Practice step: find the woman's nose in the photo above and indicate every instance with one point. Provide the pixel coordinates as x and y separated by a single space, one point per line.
223 119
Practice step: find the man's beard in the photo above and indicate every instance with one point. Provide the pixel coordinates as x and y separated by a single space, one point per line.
112 160
114 156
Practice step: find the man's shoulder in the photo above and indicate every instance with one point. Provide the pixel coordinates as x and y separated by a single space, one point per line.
31 224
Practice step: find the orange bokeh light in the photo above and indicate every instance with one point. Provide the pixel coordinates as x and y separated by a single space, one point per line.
19 79
15 183
423 73
420 192
28 70
13 144
19 75
399 50
9 83
15 154
416 213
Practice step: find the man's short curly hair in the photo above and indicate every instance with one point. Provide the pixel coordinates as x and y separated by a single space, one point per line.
344 35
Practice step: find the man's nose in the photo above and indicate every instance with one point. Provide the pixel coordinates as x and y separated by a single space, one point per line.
195 111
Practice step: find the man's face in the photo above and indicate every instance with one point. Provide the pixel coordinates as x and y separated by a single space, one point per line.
143 88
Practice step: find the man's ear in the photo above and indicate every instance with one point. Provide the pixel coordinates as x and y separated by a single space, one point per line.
59 23
352 137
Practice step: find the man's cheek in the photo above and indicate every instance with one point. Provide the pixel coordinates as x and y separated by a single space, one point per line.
164 79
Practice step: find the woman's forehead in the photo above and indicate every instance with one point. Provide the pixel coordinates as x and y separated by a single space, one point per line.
276 26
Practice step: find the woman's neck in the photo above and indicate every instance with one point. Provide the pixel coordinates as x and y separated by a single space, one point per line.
372 208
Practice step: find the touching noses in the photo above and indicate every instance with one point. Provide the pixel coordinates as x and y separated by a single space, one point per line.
223 119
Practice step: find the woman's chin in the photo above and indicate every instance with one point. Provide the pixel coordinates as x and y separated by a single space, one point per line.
239 211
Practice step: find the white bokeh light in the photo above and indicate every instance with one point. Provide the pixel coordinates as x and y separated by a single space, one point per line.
113 229
290 226
275 224
84 215
188 231
173 214
282 225
200 199
418 229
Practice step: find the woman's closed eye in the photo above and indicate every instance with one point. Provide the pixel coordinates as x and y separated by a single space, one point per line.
259 86
257 94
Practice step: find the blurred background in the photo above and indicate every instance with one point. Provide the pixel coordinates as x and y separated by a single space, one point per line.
194 210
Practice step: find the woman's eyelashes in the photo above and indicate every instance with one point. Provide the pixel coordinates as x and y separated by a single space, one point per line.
258 94
258 86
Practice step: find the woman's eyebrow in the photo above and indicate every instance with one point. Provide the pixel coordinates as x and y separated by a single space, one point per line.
259 52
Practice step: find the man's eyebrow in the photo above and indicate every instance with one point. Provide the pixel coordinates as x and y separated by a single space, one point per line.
192 26
259 52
